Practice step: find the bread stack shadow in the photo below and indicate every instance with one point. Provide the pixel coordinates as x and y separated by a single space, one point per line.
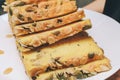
51 38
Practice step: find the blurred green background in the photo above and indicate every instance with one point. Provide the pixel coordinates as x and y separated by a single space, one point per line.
80 3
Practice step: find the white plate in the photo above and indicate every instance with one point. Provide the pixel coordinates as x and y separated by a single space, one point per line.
105 31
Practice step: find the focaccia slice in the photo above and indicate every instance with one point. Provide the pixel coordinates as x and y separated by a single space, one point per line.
70 52
75 73
25 2
22 2
47 24
41 11
16 3
30 42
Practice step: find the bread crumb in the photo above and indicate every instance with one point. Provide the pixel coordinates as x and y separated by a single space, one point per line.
9 35
1 52
8 70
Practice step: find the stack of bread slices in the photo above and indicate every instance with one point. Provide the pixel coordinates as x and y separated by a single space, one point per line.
51 38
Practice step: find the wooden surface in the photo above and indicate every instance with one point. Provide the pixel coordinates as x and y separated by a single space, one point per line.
115 76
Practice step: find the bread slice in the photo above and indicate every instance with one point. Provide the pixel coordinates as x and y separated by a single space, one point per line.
70 52
41 11
47 24
15 3
25 2
75 73
29 42
18 2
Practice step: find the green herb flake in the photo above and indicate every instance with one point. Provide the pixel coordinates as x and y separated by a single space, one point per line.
61 3
28 46
27 29
35 12
78 74
34 24
86 27
29 19
29 9
21 17
71 65
23 57
20 4
56 33
10 11
91 55
46 7
61 76
78 44
34 78
85 76
35 5
48 69
59 21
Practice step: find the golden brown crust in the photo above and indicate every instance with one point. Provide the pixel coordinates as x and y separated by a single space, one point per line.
60 55
44 10
29 42
8 2
14 2
79 72
47 24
